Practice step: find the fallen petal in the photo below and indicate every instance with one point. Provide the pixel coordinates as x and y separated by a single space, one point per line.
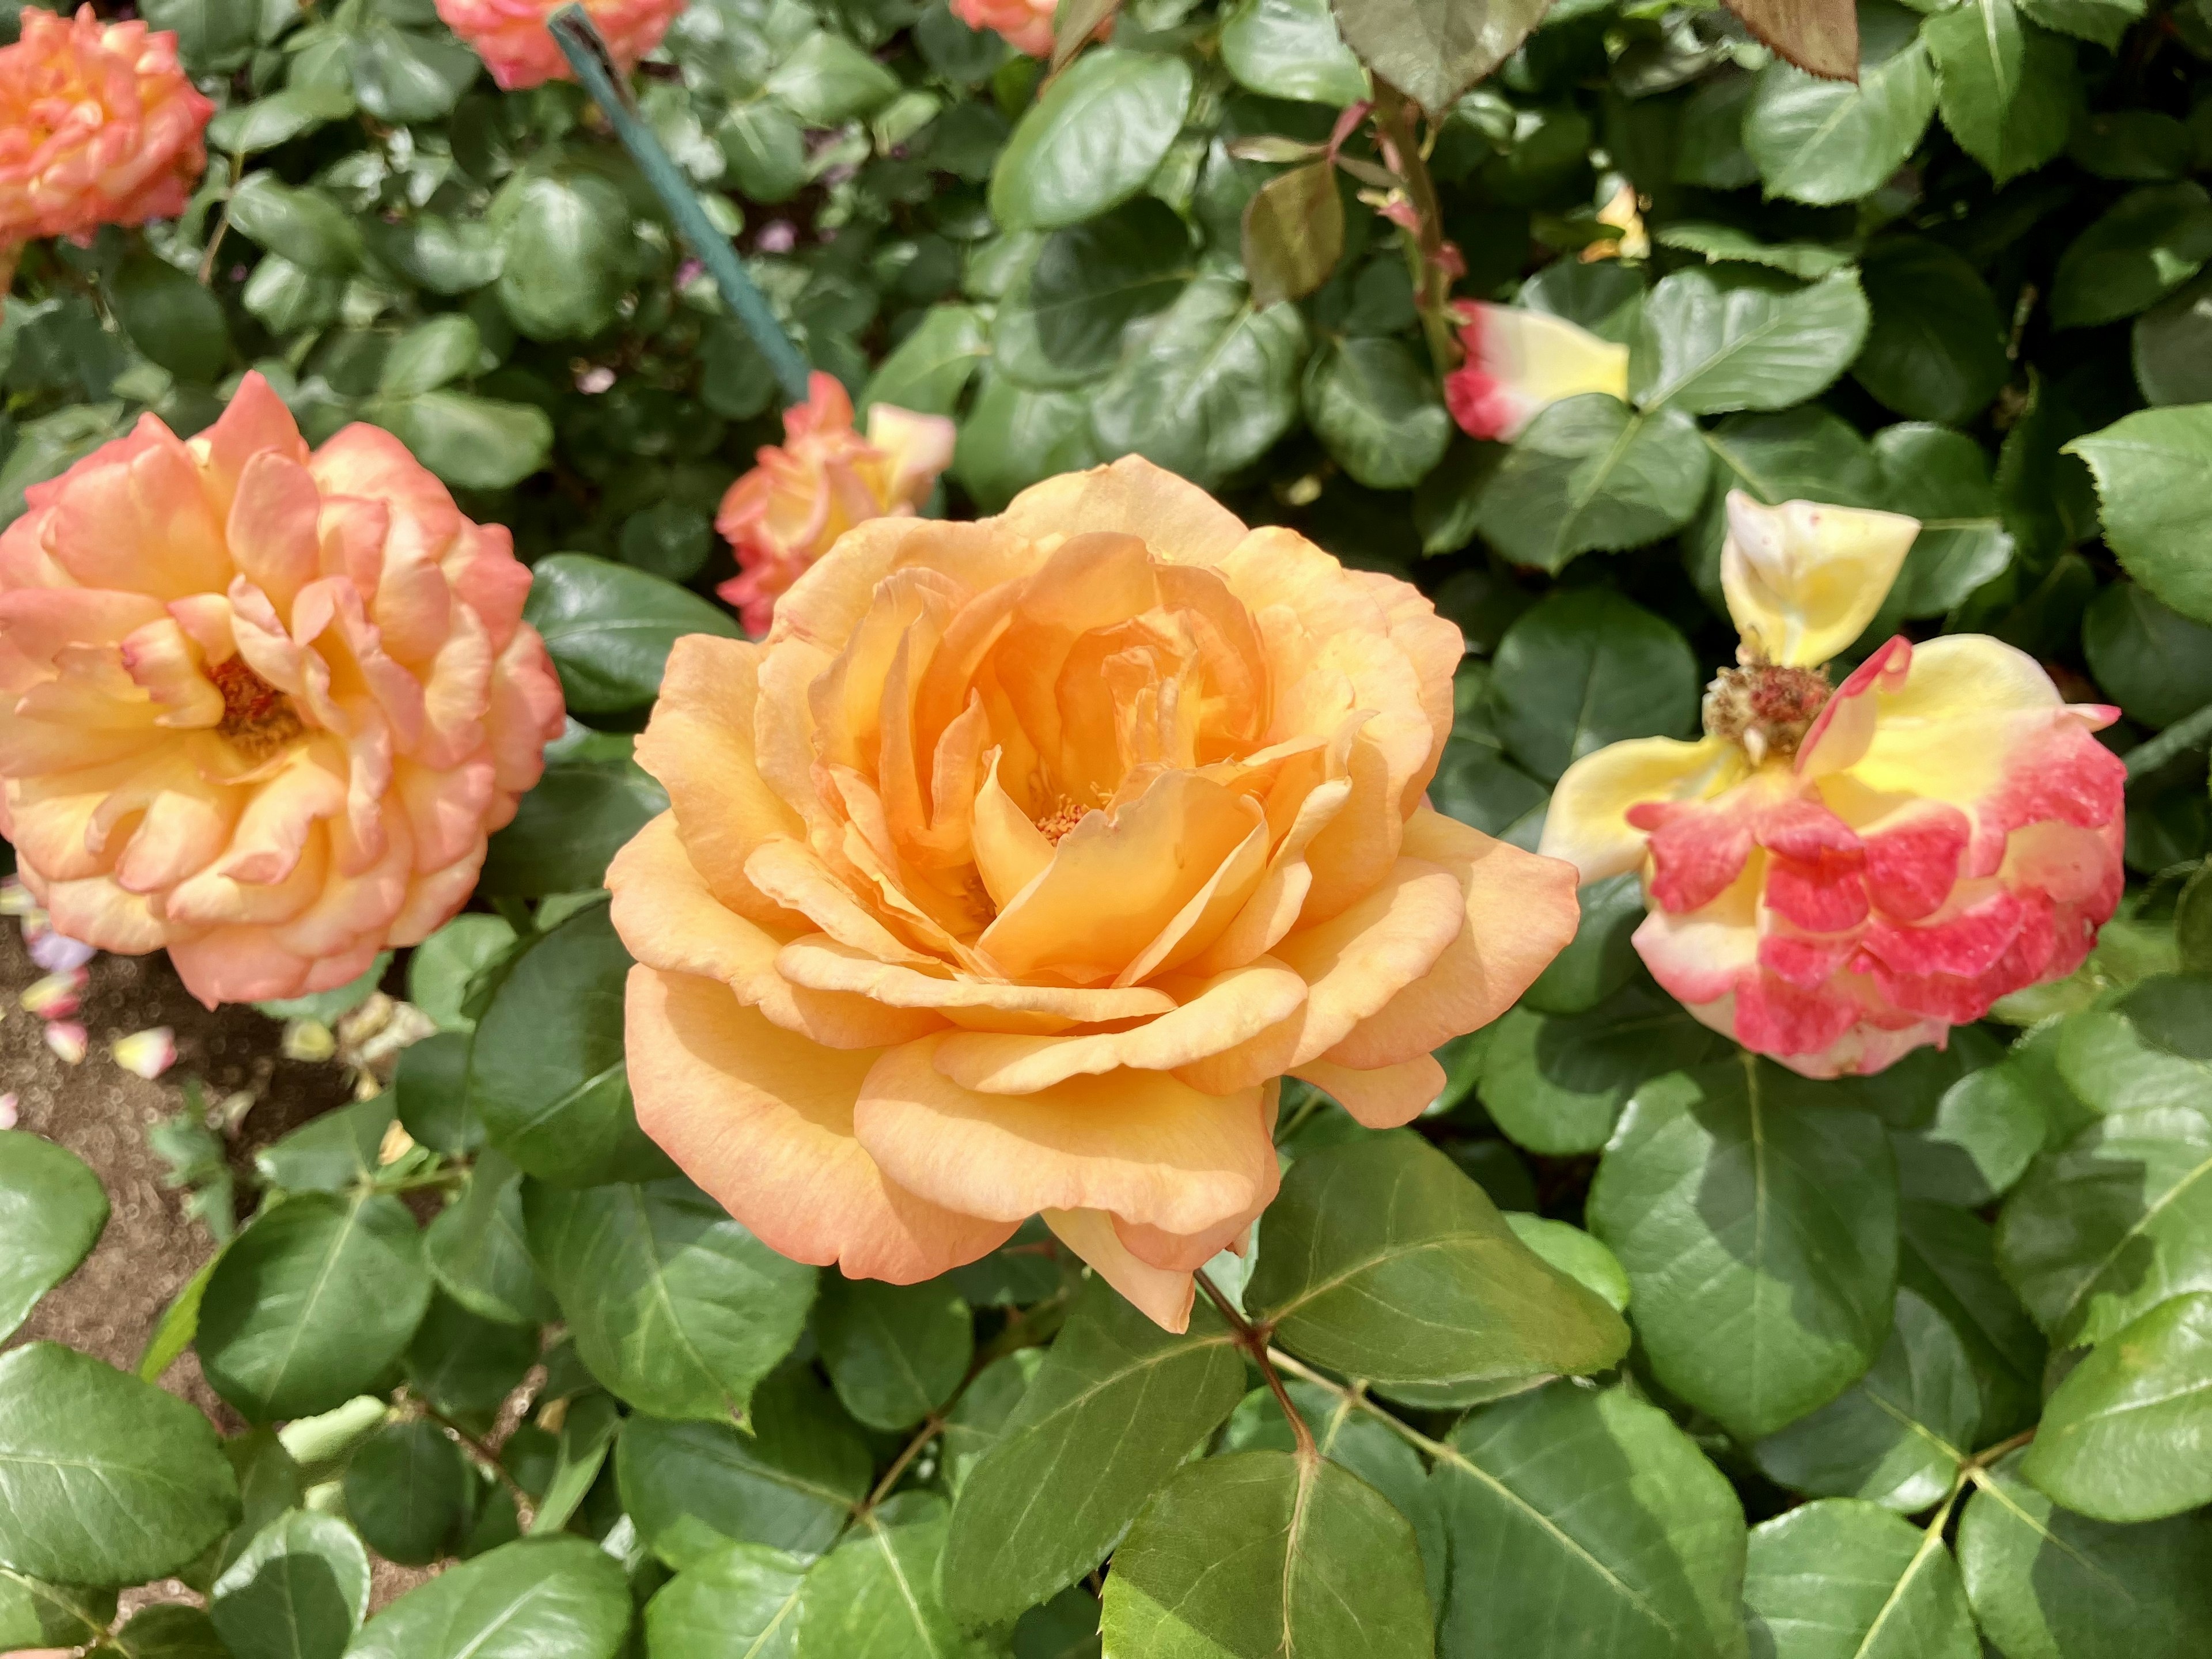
68 1040
146 1054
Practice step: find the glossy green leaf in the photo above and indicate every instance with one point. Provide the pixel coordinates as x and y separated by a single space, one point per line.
609 627
171 319
1014 437
2148 468
673 1306
299 1591
1062 322
1941 479
2007 88
406 1488
1293 232
53 1210
1262 1553
743 1599
166 1630
478 1253
568 829
2172 347
827 80
1117 1404
1380 1258
932 365
1588 474
1713 341
2156 663
1291 49
1433 50
1759 1227
1091 141
1587 667
1373 404
52 1615
1947 1257
471 442
464 1364
2123 1438
1935 347
563 1595
894 1352
2149 243
104 1479
877 1595
1556 1084
277 119
1841 1579
1826 141
564 243
311 1303
1601 1529
331 1154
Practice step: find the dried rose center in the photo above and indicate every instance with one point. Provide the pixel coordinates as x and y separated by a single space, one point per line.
257 718
1766 707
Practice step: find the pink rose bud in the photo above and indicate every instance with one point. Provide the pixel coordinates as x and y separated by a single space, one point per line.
146 1054
1837 878
789 510
1520 362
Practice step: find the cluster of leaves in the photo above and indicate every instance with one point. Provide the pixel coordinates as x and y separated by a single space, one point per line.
1630 1345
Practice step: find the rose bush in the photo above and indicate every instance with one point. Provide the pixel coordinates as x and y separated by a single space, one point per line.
1628 1340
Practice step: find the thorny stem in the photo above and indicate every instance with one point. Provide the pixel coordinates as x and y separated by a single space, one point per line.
1425 251
524 1505
1254 1341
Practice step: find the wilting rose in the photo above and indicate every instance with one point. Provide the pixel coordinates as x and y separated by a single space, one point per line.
1015 866
1520 362
260 706
98 126
511 37
785 513
1025 24
1838 879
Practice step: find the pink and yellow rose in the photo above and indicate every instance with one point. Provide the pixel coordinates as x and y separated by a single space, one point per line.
1016 865
1518 363
511 37
98 126
1838 878
799 498
259 705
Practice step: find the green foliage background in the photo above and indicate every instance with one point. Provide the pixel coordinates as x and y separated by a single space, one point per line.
1908 1365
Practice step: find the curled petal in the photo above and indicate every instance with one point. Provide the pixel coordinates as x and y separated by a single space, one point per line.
1520 362
1804 579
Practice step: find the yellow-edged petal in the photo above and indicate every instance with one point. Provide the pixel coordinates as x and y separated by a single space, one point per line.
1587 825
1802 579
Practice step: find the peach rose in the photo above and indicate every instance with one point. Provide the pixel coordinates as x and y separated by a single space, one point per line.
98 126
260 706
788 511
1010 872
1025 25
511 37
1520 362
1838 879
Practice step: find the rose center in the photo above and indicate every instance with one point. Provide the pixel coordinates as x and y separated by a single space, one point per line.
1063 817
1766 707
257 718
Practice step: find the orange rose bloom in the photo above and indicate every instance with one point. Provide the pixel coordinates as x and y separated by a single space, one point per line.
260 706
1022 859
98 126
1025 25
788 511
511 37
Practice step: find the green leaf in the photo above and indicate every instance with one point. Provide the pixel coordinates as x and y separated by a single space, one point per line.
1600 959
978 1418
1557 1084
1091 141
278 118
427 357
1826 141
2172 347
104 1479
1936 347
2101 20
1988 1124
303 226
1898 1435
1373 404
212 35
311 1303
791 1483
894 1352
587 1435
546 1073
932 366
1713 341
1585 668
402 77
1947 1257
2153 662
1062 322
445 256
1806 261
1264 1552
1380 1258
1117 1404
1840 1579
610 627
171 319
2121 1438
1434 50
828 80
741 1600
1601 1529
52 1615
2102 1231
441 968
564 242
2007 89
1575 1254
1207 385
2148 244
166 1630
876 1596
766 148
568 829
1293 232
563 1595
1943 479
477 1252
299 1591
1291 49
2048 1584
1014 437
1588 474
675 1307
465 1364
1759 1227
407 1490
331 1153
53 1210
2150 469
430 1088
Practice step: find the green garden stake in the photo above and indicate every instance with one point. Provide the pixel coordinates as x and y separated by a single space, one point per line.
587 54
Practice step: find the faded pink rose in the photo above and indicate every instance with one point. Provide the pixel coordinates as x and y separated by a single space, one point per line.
260 706
98 126
1838 879
520 51
791 508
